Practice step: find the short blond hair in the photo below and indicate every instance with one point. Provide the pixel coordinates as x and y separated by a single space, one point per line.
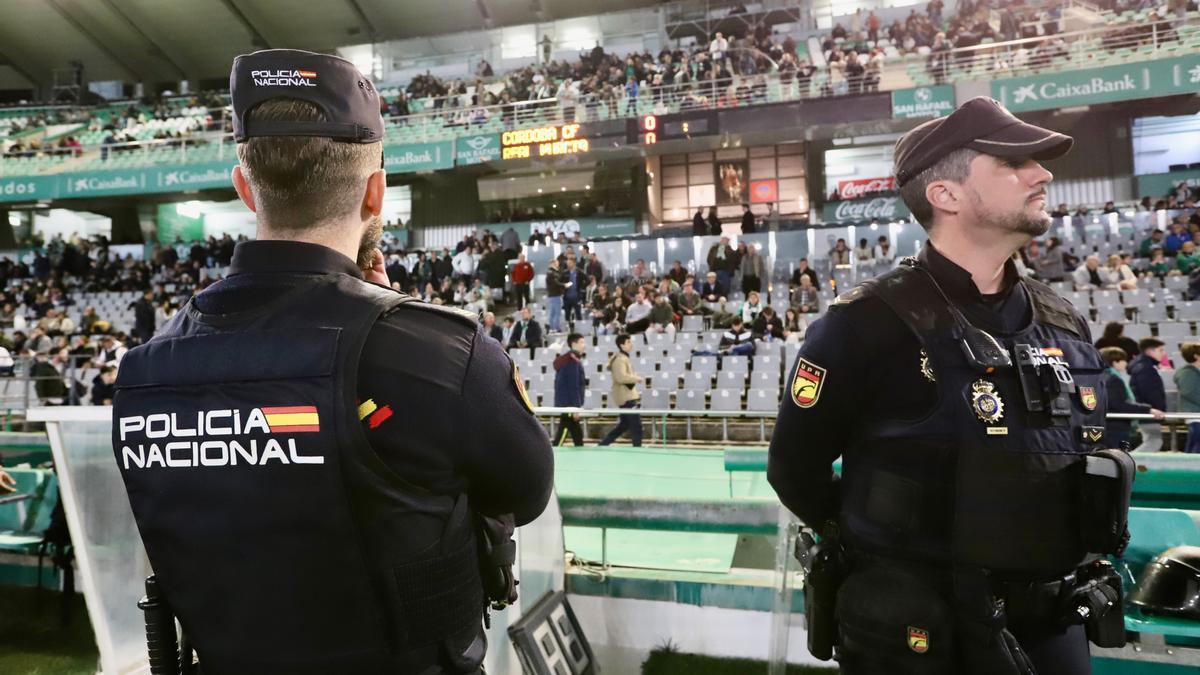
299 182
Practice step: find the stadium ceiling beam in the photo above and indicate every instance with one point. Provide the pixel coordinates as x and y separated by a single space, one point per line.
99 44
485 12
362 18
256 37
158 50
7 60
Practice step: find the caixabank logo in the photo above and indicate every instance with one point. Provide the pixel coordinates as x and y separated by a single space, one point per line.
219 437
184 178
99 184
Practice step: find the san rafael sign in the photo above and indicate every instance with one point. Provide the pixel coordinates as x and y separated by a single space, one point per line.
477 149
864 210
1128 81
923 102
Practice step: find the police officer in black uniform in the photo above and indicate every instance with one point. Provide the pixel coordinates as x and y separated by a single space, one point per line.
976 492
307 452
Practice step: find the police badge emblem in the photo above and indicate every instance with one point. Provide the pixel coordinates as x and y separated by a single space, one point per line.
926 368
918 639
986 401
806 384
1087 396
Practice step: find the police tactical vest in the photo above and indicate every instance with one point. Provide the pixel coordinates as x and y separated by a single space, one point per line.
281 540
982 480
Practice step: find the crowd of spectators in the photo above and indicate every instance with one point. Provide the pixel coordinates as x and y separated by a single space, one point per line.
42 293
1158 254
116 123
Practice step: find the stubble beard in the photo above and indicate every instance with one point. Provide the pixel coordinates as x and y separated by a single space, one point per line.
369 242
1018 221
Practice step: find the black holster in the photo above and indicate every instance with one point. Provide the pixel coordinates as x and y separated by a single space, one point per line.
824 570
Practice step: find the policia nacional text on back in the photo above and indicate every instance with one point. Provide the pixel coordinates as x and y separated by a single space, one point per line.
325 473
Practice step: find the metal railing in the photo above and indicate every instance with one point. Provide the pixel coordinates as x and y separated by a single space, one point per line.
447 116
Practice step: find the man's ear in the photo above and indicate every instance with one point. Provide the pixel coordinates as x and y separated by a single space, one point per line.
945 195
372 203
243 188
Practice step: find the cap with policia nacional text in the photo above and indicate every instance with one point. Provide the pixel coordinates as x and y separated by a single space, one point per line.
333 84
980 124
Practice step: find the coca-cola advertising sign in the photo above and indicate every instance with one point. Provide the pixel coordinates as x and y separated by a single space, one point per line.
865 210
861 187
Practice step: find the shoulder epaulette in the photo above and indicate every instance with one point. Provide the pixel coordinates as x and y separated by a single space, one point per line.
463 315
856 293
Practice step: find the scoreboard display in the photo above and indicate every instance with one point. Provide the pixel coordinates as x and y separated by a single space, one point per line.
651 129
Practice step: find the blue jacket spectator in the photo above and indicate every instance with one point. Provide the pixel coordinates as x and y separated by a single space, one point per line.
1144 379
1176 239
568 380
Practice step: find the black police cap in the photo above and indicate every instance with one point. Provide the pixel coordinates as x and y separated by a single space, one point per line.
980 124
333 84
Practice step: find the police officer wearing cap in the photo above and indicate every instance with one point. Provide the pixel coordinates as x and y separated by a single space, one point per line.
319 465
977 495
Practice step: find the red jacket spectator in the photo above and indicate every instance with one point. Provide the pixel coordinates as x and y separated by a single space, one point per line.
522 273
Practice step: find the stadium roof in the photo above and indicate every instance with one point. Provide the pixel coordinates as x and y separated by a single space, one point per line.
159 41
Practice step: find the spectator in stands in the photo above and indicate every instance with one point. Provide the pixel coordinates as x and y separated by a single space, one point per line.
463 263
748 223
104 386
1175 241
738 340
803 270
1187 380
839 255
1187 261
1147 386
1109 208
637 316
1120 397
662 315
767 325
1114 336
48 379
690 302
522 276
1119 274
699 226
863 253
1159 266
611 319
491 329
1089 274
569 383
678 273
143 317
1149 244
1050 264
594 268
506 331
554 296
572 279
38 342
527 333
752 267
751 308
794 327
722 260
714 223
806 299
1061 211
624 393
884 255
713 290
